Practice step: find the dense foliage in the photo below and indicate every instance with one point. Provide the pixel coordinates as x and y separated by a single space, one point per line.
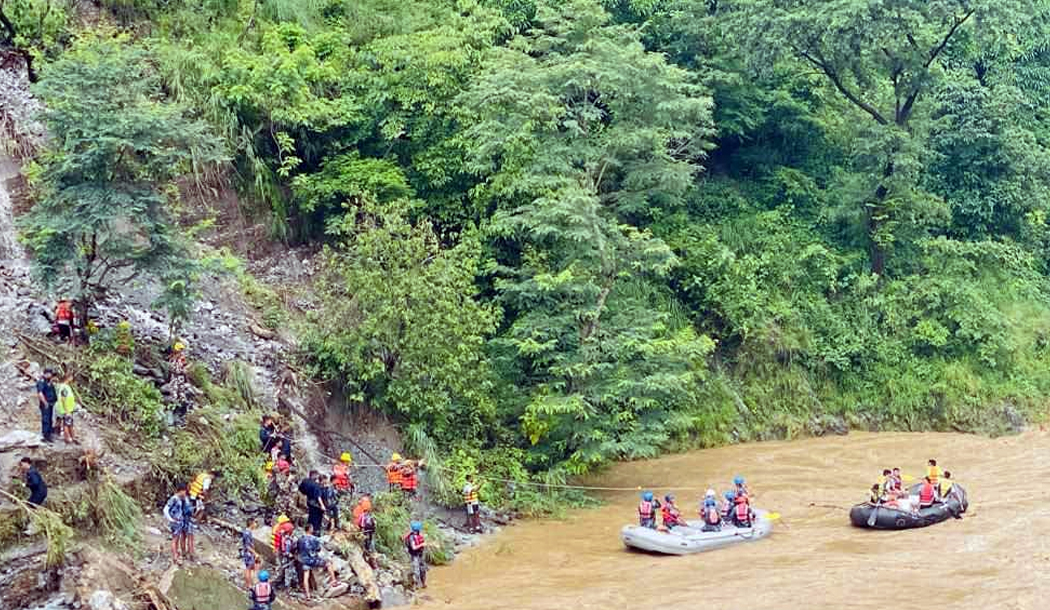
567 232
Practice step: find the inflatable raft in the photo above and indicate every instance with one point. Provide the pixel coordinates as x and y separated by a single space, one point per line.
684 540
887 518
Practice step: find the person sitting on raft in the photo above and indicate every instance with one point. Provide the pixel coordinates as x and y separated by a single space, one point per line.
710 514
743 516
727 506
875 495
741 487
669 513
933 472
927 494
898 481
647 510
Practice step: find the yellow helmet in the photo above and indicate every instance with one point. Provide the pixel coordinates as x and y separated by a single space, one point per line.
396 457
346 457
179 346
282 519
269 466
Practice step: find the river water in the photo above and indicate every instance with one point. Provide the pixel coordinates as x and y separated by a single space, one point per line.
996 557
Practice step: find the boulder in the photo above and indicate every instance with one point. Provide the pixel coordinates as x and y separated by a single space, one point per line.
19 439
105 600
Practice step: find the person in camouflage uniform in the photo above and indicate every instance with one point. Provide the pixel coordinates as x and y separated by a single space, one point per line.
284 500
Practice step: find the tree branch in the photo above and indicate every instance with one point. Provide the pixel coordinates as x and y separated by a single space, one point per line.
905 112
830 72
947 37
8 26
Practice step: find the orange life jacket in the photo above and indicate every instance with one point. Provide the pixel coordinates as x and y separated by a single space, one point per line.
393 474
341 476
926 495
670 514
363 506
409 481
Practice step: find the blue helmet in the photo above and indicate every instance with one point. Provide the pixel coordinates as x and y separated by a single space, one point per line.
738 480
417 526
647 496
264 576
729 495
669 498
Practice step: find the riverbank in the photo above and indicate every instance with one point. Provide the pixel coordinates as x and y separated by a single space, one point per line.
814 559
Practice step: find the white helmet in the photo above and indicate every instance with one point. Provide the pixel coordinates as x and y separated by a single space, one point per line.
710 493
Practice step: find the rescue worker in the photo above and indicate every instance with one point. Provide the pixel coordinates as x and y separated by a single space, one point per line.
927 494
710 514
410 477
743 516
393 473
727 506
283 543
315 506
65 407
933 472
367 524
46 397
174 513
310 557
34 482
284 501
363 505
177 366
248 554
64 320
268 436
330 497
741 487
669 513
647 510
341 479
262 594
416 546
472 505
199 488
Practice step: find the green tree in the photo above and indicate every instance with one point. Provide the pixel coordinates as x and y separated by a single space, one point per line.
883 59
104 184
578 132
400 323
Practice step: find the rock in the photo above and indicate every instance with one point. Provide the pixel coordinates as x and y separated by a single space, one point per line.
394 596
336 591
105 600
19 439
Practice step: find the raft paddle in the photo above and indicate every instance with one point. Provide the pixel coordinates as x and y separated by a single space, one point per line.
874 513
772 516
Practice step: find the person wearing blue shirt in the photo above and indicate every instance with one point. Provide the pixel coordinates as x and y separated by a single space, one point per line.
35 482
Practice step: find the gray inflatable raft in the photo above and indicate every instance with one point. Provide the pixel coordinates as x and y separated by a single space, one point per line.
692 539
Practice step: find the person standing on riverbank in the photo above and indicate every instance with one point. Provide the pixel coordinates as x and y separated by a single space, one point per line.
66 406
472 505
47 397
174 513
416 546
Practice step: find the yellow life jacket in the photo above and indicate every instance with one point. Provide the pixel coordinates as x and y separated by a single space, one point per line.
946 487
934 472
470 495
197 486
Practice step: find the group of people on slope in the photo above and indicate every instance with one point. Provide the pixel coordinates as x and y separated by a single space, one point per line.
735 509
936 487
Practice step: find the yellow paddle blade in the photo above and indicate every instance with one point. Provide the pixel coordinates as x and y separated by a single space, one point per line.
772 516
907 478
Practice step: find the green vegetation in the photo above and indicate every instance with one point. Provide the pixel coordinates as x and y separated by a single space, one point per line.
563 233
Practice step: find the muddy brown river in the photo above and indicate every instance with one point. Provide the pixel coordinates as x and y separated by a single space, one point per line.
997 557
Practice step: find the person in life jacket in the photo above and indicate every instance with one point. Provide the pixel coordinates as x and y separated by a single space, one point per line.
727 506
341 480
199 489
669 513
933 472
282 527
262 594
472 505
393 472
416 546
927 493
64 319
898 481
875 494
410 477
741 487
366 523
647 510
331 500
742 513
709 512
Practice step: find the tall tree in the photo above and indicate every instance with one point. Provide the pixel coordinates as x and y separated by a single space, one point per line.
578 132
883 59
104 184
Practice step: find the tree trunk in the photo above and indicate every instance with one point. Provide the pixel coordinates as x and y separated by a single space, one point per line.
875 215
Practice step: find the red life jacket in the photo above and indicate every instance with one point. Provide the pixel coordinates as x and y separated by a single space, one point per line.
414 541
409 482
711 516
743 512
645 509
64 312
669 514
926 495
263 593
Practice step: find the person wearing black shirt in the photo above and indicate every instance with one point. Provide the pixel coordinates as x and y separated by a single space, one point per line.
268 434
35 482
47 397
314 500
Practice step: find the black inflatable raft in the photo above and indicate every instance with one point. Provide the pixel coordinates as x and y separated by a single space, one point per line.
887 518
